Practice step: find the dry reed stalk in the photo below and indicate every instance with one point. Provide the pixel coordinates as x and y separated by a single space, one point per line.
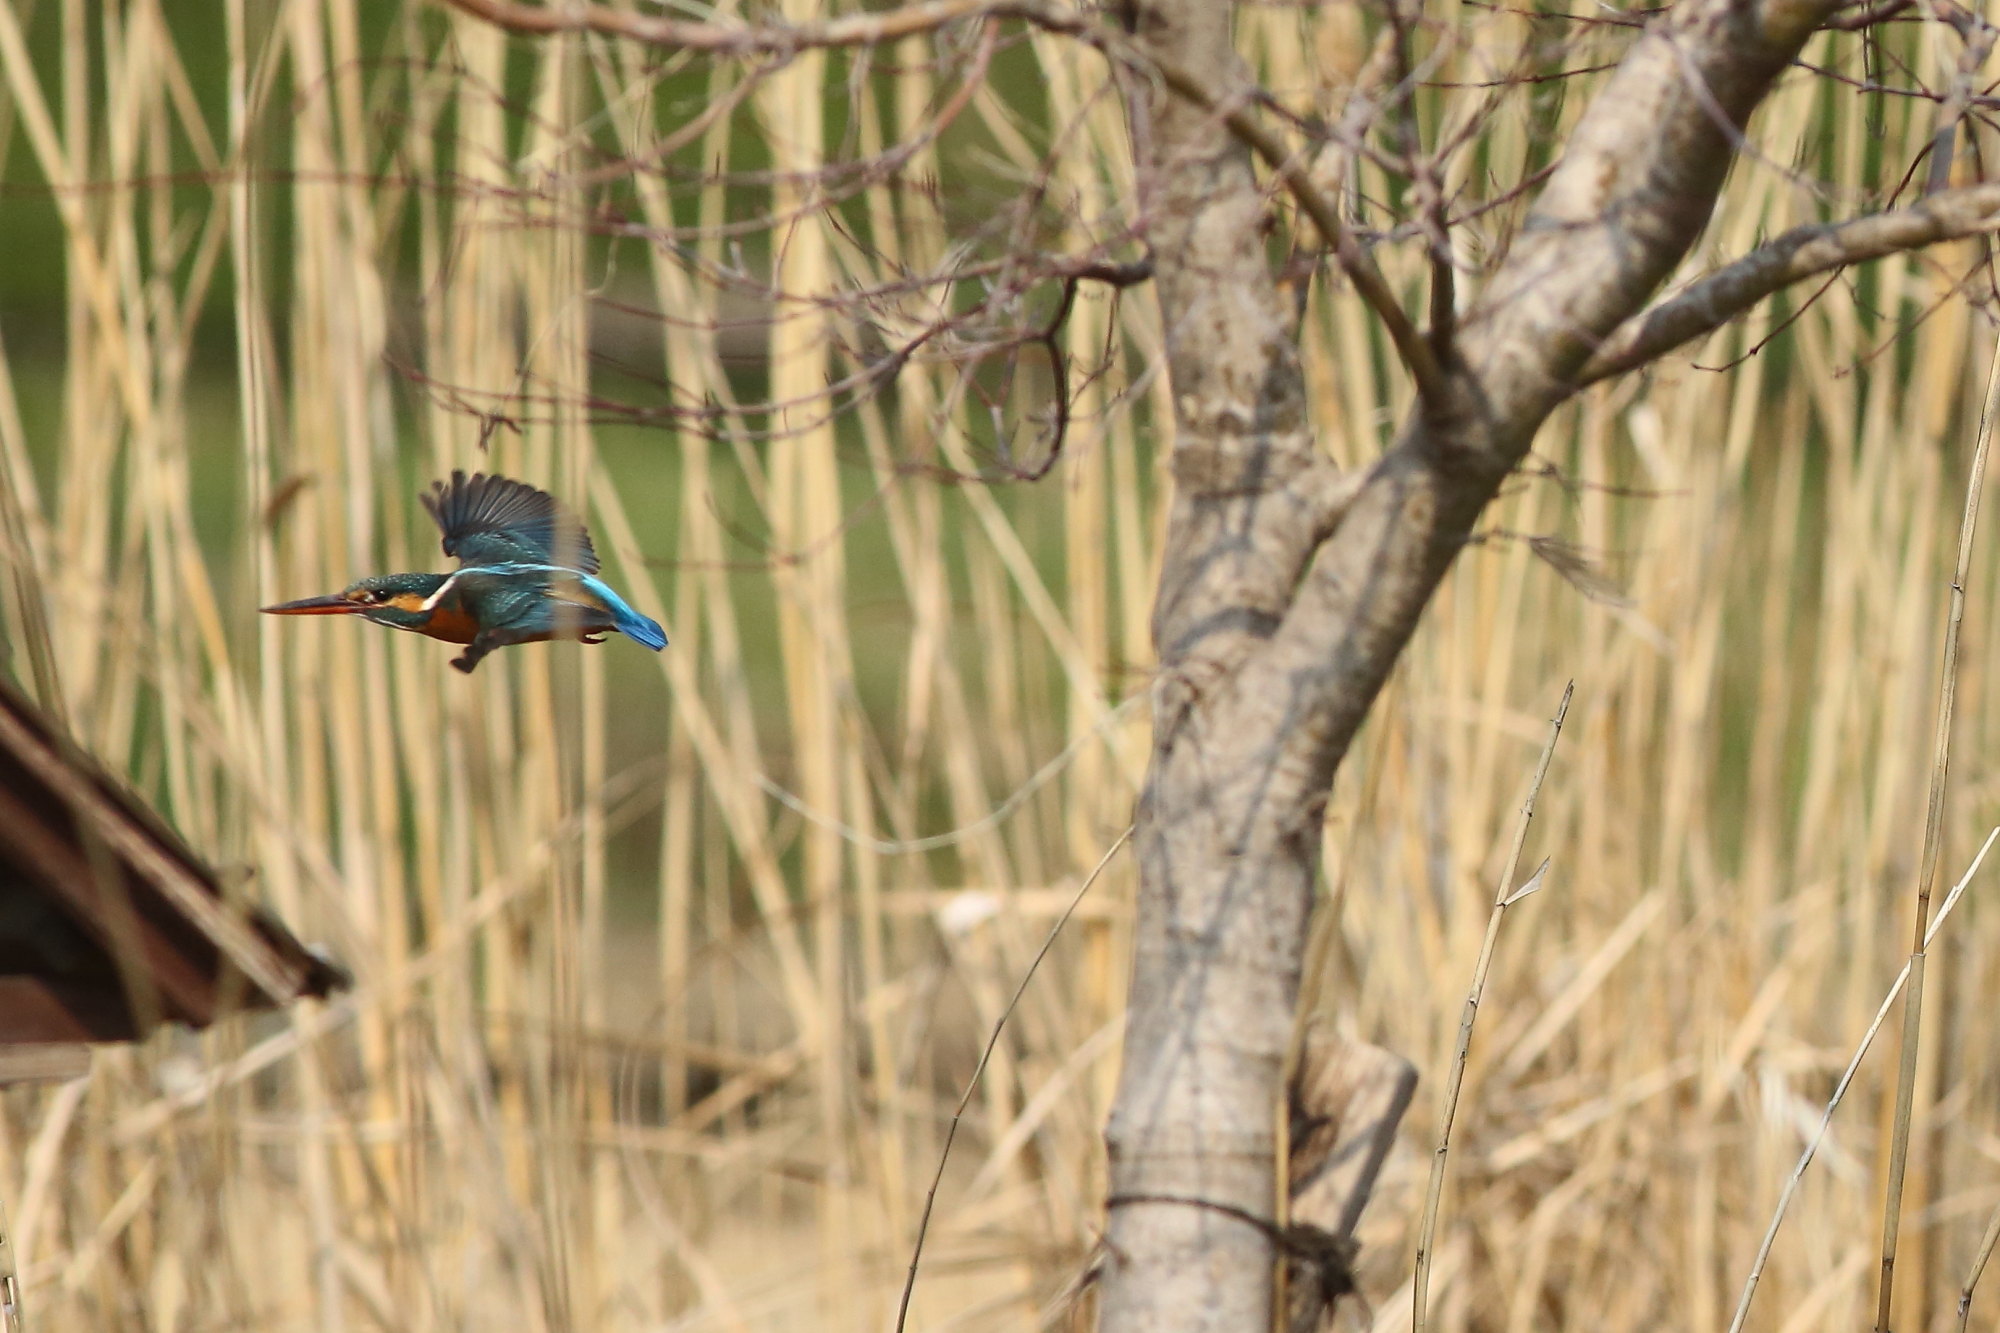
1986 1244
1840 1091
1906 1075
1504 897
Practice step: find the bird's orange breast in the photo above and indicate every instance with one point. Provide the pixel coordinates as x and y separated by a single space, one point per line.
448 620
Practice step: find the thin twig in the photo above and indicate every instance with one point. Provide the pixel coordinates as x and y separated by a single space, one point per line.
873 28
994 817
1434 207
1978 36
1503 898
1839 1092
1906 1074
1978 1266
1869 17
978 1070
1356 262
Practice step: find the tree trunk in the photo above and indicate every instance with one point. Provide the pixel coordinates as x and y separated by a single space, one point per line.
1288 590
1227 888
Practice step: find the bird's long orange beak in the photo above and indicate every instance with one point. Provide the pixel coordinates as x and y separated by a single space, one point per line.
333 604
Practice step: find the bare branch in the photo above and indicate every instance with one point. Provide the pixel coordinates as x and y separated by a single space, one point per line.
1363 104
1433 204
863 29
1800 253
1634 189
1978 36
1636 186
1293 170
1867 18
867 29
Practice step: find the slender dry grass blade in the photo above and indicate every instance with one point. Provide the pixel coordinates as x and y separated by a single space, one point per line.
1503 897
985 1055
1986 1244
1906 1073
1840 1092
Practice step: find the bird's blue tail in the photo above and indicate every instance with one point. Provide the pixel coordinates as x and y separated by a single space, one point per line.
643 628
630 623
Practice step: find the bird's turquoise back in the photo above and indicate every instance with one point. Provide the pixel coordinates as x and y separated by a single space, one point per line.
518 593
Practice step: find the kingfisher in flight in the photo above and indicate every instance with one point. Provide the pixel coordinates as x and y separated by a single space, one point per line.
526 573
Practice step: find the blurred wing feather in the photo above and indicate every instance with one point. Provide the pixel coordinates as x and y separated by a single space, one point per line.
496 521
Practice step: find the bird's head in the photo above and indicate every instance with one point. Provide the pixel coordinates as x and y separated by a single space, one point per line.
387 599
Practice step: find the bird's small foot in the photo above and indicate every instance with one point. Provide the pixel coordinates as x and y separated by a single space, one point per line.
465 663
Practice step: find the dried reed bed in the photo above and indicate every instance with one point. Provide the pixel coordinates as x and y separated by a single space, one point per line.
638 1043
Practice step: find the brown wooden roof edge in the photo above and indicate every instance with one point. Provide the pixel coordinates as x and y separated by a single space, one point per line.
109 923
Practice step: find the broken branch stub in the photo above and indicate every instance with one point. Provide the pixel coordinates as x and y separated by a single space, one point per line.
1347 1100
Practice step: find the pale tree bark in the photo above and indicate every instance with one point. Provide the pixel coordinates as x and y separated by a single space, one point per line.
1288 591
1226 885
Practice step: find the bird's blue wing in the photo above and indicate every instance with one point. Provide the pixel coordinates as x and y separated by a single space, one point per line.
548 600
498 521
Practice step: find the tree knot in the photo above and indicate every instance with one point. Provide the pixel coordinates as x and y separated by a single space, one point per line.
1182 686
